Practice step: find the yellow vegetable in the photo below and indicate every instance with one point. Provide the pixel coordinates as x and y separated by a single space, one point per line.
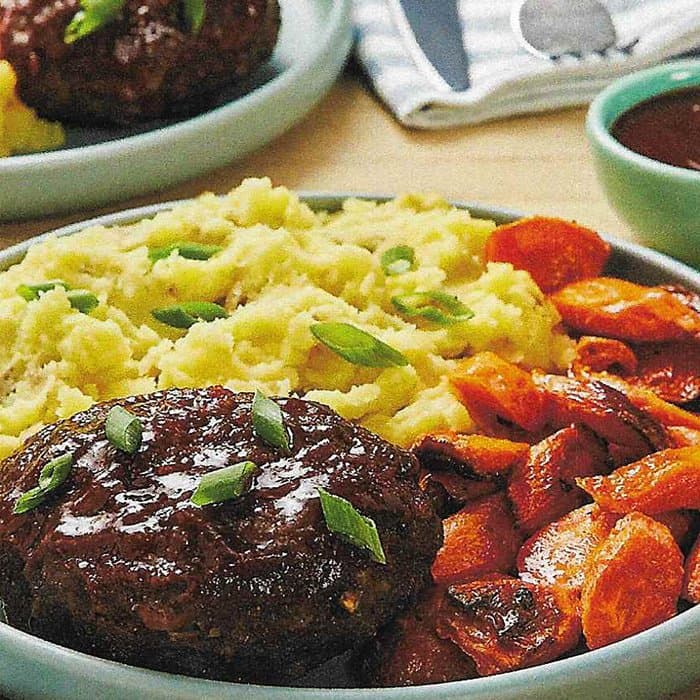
281 268
21 131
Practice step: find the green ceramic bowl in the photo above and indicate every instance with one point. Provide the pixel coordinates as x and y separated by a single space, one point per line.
660 202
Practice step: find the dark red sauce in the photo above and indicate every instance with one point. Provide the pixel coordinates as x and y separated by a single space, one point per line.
665 128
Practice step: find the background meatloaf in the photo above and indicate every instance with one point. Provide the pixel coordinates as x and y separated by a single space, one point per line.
118 562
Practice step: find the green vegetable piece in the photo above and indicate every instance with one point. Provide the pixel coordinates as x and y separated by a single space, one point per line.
194 14
345 520
268 423
185 249
52 475
224 484
436 306
357 346
83 301
396 261
124 430
93 15
188 313
31 292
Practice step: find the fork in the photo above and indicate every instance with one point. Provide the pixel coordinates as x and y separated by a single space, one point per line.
553 29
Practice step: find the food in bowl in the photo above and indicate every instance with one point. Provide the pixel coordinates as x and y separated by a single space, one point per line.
665 127
122 562
570 496
21 131
106 62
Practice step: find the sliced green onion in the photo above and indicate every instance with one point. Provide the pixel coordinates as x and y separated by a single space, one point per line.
185 249
194 14
436 306
83 301
93 15
52 475
398 260
357 346
224 484
268 423
31 292
345 520
188 313
123 429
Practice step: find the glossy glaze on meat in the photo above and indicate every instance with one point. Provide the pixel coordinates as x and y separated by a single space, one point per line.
144 65
119 562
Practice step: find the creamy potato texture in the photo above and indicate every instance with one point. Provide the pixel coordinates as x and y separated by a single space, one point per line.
282 268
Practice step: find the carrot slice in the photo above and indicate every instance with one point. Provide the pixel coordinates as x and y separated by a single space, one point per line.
505 624
409 652
691 577
560 552
554 251
479 539
469 455
670 370
604 409
633 582
620 309
594 354
494 389
663 481
543 488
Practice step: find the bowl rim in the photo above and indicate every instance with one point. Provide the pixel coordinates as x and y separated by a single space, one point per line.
583 667
598 130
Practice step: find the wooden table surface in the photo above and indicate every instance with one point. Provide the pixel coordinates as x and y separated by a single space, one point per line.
536 164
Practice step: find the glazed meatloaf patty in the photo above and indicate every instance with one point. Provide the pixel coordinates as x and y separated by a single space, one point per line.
145 64
118 561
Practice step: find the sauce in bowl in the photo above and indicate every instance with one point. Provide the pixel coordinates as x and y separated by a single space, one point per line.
665 127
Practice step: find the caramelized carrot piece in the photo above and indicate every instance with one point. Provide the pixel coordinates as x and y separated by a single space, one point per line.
479 539
450 492
691 577
662 481
670 370
492 388
409 652
469 454
594 354
560 552
616 308
505 624
543 488
554 251
680 436
606 411
633 582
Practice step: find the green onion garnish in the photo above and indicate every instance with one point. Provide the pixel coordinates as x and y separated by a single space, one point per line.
398 260
93 15
53 474
194 14
436 306
357 346
343 518
224 484
79 299
188 313
123 429
31 292
268 423
185 249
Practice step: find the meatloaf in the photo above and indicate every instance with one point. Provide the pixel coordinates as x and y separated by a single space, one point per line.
145 64
119 562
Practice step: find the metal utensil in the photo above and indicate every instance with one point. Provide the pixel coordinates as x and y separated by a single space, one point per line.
432 32
556 28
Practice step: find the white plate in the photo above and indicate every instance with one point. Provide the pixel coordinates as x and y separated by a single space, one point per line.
99 166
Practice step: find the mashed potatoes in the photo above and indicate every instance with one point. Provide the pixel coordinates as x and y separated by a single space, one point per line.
282 268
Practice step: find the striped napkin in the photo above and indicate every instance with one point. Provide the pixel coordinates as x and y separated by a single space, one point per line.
505 78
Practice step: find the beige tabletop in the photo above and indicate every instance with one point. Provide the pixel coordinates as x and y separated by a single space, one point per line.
536 164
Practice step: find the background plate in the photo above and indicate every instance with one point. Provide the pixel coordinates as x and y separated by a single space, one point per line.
648 665
98 166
